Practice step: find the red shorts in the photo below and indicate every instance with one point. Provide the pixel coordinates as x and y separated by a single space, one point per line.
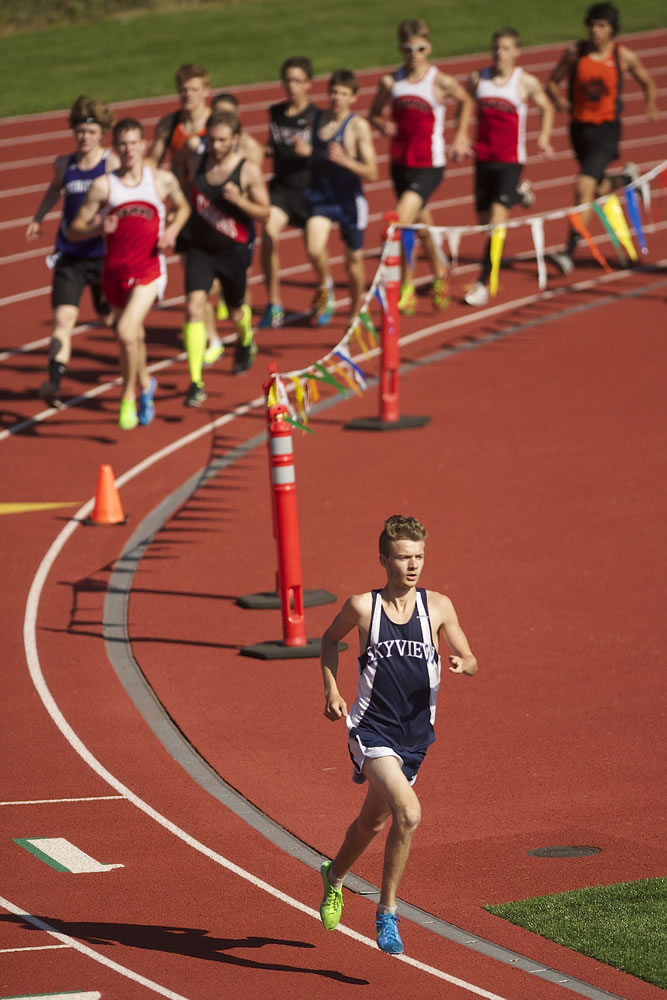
117 286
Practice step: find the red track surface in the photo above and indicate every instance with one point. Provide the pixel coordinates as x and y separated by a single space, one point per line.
541 478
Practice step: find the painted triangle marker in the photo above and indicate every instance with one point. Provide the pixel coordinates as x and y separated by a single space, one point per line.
61 855
24 508
57 996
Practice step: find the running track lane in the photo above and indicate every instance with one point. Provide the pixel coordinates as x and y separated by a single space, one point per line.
81 598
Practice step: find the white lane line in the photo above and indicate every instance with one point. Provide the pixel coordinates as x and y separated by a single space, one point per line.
318 94
563 154
71 942
34 947
37 676
462 320
45 802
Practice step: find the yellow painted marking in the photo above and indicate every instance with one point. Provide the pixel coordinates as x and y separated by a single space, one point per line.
23 508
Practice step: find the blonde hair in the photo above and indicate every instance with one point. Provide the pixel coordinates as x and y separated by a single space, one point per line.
398 527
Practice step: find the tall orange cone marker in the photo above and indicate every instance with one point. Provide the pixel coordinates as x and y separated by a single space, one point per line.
108 508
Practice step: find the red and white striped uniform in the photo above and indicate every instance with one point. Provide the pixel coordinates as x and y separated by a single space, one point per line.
501 119
420 119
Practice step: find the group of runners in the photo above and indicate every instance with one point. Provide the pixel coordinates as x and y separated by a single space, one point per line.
122 209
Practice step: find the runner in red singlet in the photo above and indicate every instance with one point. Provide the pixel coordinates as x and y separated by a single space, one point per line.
501 92
128 206
594 69
417 94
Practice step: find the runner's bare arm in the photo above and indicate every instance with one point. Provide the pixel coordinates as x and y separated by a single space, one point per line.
255 203
535 92
364 162
472 83
447 86
159 145
375 115
251 149
633 64
87 222
169 188
562 69
354 613
51 197
445 620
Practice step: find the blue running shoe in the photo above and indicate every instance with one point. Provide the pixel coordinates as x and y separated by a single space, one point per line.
388 938
146 404
273 317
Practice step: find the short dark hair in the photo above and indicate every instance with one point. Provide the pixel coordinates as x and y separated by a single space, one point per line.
505 32
398 527
343 78
224 118
297 62
226 98
127 125
603 12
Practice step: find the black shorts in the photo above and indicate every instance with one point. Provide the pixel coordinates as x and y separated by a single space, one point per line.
595 146
292 201
228 266
70 277
496 183
422 180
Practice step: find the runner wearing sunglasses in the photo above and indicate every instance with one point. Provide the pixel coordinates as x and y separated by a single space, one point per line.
416 94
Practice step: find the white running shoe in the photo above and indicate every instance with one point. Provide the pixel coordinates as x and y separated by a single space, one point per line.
526 194
477 295
563 262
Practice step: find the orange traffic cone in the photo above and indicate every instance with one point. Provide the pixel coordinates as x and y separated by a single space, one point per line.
108 508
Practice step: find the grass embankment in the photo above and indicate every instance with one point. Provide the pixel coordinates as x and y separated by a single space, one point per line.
135 53
624 925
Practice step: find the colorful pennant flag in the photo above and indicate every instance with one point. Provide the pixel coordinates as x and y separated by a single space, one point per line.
576 223
496 252
614 212
368 325
408 241
537 229
612 233
454 240
632 202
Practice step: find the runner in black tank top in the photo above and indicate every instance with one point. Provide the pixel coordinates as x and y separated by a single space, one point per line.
228 195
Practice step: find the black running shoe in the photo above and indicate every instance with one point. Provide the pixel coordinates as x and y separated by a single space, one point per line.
50 393
244 357
196 395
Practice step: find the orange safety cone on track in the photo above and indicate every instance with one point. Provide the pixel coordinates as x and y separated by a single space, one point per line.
108 508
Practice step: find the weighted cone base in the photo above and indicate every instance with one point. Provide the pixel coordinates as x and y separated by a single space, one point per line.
376 424
88 521
277 650
270 601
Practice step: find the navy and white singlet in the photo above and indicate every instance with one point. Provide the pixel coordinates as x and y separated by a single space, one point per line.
75 185
399 677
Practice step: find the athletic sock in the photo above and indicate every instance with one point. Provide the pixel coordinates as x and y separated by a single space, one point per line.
194 338
386 909
486 264
244 326
56 371
572 241
335 883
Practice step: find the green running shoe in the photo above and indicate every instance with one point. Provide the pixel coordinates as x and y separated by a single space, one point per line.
331 906
127 418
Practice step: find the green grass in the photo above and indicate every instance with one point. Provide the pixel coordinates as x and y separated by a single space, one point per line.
624 925
242 41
